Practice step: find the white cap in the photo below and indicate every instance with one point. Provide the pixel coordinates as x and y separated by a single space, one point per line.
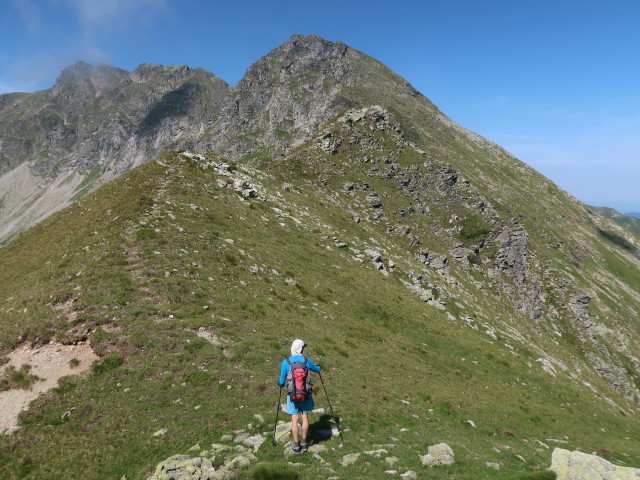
297 346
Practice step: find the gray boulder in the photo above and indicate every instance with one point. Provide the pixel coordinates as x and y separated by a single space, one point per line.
582 466
440 454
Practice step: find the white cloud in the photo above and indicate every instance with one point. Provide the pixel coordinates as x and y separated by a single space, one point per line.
109 14
29 13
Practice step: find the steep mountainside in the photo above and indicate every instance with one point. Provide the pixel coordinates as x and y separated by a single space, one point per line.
436 278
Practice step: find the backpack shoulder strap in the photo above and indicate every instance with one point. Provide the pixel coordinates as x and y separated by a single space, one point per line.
288 361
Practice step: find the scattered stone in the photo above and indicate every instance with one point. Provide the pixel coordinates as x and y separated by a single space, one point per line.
391 472
330 143
241 461
410 474
11 430
160 432
376 453
440 454
493 465
470 422
241 437
318 449
67 413
391 461
195 448
245 188
542 444
555 440
259 418
255 441
349 459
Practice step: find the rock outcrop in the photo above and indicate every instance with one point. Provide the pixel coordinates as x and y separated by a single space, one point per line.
581 466
437 455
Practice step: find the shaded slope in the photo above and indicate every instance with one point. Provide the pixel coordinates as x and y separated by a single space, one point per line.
182 246
628 221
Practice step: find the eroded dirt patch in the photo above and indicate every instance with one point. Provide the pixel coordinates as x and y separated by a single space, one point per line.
49 363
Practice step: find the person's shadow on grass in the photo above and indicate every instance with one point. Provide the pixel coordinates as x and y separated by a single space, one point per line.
321 429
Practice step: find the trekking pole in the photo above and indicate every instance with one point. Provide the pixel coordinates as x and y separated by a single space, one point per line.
337 420
277 412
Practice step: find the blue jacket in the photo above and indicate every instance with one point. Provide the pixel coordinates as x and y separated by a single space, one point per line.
284 369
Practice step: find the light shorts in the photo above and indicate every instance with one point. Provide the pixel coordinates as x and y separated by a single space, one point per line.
296 408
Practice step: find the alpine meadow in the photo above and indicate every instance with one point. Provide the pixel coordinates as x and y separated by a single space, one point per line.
168 236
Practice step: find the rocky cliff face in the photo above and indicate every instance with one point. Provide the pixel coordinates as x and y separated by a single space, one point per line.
95 123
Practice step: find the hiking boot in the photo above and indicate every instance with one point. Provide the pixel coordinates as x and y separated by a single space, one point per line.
304 446
295 448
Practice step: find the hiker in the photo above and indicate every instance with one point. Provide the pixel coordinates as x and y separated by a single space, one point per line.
301 366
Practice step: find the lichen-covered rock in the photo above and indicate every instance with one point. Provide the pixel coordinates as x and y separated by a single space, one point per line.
376 453
318 449
349 459
218 448
283 432
440 454
255 441
241 461
582 466
182 467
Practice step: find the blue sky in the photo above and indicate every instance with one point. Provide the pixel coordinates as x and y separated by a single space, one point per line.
557 83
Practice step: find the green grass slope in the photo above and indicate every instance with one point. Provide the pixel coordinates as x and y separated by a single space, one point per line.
172 249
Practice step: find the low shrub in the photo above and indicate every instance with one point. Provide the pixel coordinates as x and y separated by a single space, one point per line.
274 471
14 378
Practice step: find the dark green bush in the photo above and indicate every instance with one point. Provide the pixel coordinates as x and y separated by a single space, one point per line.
274 471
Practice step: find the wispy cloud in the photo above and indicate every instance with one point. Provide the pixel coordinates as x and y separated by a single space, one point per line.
99 19
29 14
71 30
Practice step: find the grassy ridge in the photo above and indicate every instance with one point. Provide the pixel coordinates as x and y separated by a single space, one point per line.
144 275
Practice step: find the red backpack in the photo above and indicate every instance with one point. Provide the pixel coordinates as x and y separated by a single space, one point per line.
299 387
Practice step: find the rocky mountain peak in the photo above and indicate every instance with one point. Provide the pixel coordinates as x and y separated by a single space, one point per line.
298 53
83 80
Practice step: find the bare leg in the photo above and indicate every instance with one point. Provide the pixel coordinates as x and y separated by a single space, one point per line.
294 427
305 428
